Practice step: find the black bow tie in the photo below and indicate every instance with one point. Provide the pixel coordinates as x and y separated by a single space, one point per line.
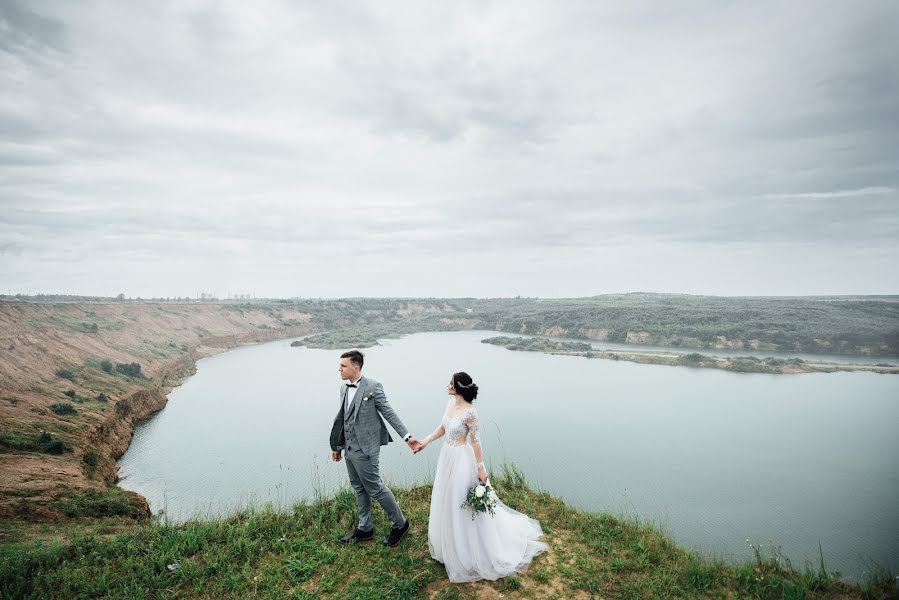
349 385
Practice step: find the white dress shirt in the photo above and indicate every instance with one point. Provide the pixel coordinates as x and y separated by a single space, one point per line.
351 393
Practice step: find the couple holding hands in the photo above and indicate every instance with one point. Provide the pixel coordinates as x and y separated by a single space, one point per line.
471 548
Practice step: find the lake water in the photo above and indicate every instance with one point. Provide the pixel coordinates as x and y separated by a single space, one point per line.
713 457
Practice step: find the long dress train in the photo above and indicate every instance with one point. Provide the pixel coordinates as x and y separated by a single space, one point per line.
483 547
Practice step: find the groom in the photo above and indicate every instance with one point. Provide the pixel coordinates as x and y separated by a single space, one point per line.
359 432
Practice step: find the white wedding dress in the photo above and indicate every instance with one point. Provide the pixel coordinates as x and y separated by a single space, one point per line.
486 547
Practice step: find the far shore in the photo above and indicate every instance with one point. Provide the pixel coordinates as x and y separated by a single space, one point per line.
349 338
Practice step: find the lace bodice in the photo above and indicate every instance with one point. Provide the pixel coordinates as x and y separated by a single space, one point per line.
460 424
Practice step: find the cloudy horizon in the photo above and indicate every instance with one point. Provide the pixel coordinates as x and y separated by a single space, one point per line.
465 150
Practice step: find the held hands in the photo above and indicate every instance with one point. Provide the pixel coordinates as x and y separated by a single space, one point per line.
336 455
415 445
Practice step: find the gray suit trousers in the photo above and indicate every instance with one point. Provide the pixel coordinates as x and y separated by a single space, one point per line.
365 478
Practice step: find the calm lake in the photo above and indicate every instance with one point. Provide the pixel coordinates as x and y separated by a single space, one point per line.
712 457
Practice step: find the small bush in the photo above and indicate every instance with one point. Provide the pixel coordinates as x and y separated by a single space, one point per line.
129 369
66 374
91 459
511 583
100 503
70 394
41 442
63 408
106 365
101 397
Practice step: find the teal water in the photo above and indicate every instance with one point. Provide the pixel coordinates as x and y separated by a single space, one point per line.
713 457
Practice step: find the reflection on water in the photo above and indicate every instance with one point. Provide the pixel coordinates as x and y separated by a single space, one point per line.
713 457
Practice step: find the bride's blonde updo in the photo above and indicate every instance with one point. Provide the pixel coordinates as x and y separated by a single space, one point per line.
465 386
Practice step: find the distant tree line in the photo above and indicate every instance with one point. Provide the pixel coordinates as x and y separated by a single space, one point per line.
856 325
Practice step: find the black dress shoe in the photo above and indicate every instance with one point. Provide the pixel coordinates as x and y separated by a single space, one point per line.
396 535
358 535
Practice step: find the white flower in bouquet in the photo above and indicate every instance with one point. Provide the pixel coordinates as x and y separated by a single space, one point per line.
481 498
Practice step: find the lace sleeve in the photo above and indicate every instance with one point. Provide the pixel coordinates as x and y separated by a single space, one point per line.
474 426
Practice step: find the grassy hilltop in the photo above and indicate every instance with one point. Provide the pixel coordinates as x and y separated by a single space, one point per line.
293 554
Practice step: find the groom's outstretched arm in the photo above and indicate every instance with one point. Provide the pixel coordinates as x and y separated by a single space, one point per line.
387 412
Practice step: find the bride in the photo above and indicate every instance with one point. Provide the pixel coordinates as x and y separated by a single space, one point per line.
483 547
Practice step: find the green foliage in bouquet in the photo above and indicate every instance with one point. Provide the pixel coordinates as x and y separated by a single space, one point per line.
481 498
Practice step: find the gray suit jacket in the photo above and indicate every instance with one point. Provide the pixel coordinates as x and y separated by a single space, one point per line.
364 419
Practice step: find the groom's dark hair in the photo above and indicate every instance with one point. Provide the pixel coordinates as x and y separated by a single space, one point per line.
356 357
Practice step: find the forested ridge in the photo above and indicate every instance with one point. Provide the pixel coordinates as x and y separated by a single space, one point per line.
860 325
864 325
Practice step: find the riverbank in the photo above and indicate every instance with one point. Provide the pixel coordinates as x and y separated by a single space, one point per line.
265 553
738 364
77 377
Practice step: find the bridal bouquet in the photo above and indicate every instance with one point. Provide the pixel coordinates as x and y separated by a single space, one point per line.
481 498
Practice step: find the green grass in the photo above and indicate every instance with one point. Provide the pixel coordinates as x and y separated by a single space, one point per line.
264 553
339 340
69 373
89 323
538 344
79 504
63 408
39 442
367 335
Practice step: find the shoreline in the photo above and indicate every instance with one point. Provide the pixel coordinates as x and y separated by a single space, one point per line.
736 364
152 401
47 350
675 359
159 396
342 339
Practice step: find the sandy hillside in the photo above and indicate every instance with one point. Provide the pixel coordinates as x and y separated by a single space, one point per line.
49 350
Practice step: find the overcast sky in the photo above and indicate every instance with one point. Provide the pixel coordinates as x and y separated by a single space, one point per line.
449 149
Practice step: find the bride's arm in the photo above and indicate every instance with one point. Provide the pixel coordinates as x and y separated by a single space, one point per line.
479 456
437 433
474 431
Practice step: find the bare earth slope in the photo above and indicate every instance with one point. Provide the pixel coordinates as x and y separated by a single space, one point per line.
54 354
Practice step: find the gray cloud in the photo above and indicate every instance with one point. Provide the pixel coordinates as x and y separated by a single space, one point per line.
27 32
613 144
